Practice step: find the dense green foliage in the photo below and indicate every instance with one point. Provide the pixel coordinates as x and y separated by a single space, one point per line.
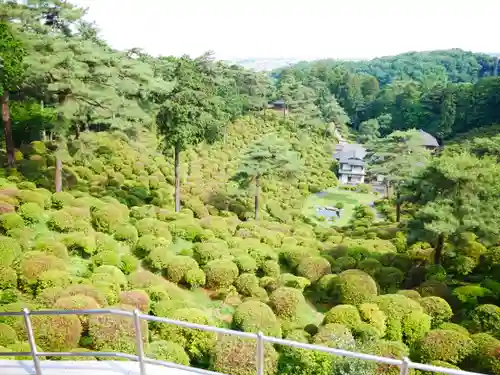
182 196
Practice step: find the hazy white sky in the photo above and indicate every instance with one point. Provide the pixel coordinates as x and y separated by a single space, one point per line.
297 28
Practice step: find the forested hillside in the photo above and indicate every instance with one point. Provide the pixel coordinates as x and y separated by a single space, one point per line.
168 185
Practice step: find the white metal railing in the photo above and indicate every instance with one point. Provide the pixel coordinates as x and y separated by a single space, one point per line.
404 364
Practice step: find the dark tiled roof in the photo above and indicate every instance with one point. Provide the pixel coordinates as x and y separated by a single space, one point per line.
428 139
350 150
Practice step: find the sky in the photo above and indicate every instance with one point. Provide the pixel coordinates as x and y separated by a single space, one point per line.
304 29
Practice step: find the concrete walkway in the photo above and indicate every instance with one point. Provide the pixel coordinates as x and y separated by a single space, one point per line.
85 368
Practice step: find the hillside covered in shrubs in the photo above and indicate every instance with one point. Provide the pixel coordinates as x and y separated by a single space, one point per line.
167 185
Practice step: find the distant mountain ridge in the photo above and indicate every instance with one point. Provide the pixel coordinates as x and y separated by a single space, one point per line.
272 63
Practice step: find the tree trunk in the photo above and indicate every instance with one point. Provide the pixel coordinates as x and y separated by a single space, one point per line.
58 180
77 131
438 251
7 125
398 206
256 198
177 162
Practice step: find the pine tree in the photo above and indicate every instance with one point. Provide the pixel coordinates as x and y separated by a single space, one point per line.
268 156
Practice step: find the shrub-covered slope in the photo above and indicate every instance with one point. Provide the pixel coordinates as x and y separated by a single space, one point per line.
112 238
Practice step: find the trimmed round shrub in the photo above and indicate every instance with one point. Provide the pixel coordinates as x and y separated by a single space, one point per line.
246 284
62 199
443 345
137 298
144 279
69 219
51 246
286 301
334 336
53 278
271 268
292 281
313 268
10 221
343 263
415 325
8 335
126 233
34 263
57 333
85 290
107 218
434 288
9 251
454 327
49 296
198 344
195 278
355 287
486 318
395 307
109 274
8 279
325 287
370 266
246 264
167 351
128 263
106 258
220 273
347 315
178 266
31 213
207 251
255 316
148 243
413 294
236 356
389 278
77 302
389 349
114 333
20 347
371 314
437 308
79 243
187 229
485 358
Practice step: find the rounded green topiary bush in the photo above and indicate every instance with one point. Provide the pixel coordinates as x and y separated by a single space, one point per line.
198 344
347 315
292 281
355 287
8 279
486 318
109 274
51 246
443 345
220 273
370 266
85 290
31 213
178 266
389 278
9 251
8 335
106 258
414 326
62 199
167 351
271 268
246 284
35 263
128 263
437 308
410 293
114 333
53 278
485 358
57 333
371 314
255 316
11 221
137 298
454 327
195 278
126 233
236 356
78 302
286 301
313 268
395 307
107 218
245 263
334 336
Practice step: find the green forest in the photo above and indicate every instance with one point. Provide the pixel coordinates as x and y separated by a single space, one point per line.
173 186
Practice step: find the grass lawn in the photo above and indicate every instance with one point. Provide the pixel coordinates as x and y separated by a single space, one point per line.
332 196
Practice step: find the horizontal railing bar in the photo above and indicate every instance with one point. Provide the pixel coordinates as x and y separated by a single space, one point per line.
269 339
179 367
199 326
444 370
340 352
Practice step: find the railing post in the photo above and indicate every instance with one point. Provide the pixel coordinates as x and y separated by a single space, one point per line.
31 340
260 354
139 343
405 366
